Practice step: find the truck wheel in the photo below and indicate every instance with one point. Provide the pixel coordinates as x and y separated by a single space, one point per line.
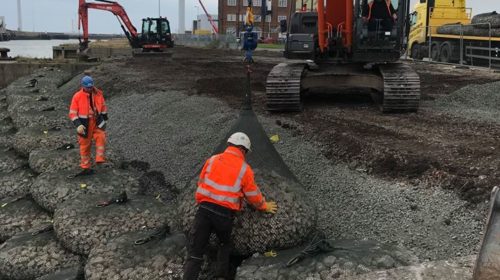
445 52
415 52
435 53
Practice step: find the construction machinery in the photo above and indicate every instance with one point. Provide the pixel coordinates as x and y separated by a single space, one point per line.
155 34
442 31
346 50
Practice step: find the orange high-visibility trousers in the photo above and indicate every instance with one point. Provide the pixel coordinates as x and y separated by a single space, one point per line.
99 136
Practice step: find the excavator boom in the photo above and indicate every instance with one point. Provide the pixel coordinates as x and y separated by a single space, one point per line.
109 6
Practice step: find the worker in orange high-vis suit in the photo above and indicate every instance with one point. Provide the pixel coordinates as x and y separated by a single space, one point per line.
89 115
224 181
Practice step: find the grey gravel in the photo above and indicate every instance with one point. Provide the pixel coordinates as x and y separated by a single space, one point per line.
176 133
10 161
80 225
27 140
28 256
173 132
160 258
50 190
66 157
473 102
16 183
354 205
453 269
347 258
18 214
71 273
255 231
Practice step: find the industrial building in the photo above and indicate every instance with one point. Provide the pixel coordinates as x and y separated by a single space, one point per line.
232 16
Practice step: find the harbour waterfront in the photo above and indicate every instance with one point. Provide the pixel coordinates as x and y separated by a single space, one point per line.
33 48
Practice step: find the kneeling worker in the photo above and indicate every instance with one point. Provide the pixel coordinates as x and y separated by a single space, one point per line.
89 115
224 180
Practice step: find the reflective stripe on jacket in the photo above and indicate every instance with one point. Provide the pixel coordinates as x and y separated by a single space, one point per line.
81 110
226 178
370 7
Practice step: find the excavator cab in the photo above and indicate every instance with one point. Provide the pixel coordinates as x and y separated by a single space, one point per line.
382 37
155 34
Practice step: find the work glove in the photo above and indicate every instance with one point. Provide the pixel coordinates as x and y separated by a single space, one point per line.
81 129
271 207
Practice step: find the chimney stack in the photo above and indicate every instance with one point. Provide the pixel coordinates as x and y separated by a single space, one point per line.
182 13
19 17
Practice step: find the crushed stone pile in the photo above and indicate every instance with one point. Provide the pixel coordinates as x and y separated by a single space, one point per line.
27 140
347 258
255 231
15 183
18 214
50 190
81 225
70 273
160 258
29 255
474 102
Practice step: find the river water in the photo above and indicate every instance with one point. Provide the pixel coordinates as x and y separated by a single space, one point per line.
33 48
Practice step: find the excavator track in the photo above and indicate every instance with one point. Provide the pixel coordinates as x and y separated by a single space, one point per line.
283 87
401 88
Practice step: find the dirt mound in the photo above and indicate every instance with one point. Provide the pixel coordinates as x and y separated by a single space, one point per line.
81 225
29 255
50 190
18 214
15 183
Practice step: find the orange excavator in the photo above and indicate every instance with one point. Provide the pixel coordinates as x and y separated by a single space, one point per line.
154 37
346 45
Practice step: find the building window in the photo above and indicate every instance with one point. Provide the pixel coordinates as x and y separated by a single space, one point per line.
231 2
268 18
257 18
282 3
231 17
255 3
280 18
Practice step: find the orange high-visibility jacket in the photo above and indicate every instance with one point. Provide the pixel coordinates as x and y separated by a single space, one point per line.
226 178
387 3
84 106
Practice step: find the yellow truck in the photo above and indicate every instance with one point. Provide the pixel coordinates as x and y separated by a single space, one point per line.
444 30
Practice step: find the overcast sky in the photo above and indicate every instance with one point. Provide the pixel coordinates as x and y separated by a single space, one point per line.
61 15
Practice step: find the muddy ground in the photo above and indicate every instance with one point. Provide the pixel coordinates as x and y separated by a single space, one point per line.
430 147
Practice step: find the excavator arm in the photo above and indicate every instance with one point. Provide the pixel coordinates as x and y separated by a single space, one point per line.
210 19
110 6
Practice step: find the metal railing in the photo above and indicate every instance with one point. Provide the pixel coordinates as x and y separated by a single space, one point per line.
466 45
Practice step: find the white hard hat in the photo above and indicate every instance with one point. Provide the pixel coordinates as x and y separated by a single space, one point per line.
239 139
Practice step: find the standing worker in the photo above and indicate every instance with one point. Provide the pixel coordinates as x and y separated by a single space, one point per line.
89 115
379 14
224 180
